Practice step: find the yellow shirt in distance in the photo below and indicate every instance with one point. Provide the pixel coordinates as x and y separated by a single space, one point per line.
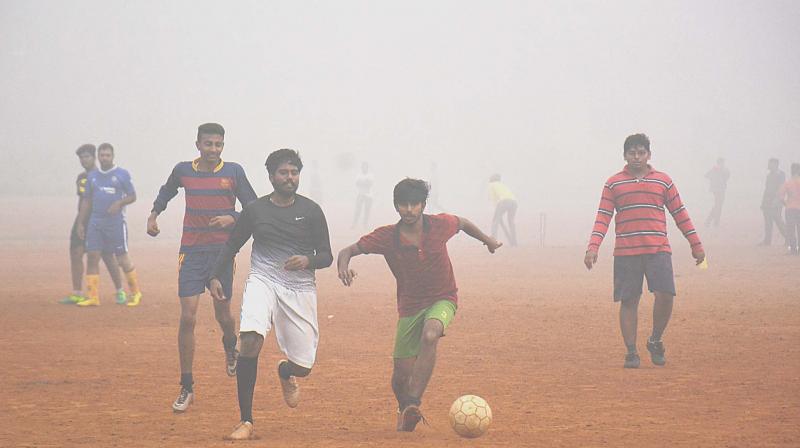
499 192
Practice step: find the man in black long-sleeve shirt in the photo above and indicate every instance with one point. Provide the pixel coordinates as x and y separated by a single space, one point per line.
290 241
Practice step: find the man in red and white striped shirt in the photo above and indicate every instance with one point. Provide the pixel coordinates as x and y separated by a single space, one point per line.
639 195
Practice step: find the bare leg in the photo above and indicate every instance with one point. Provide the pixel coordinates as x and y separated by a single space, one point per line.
125 262
186 332
628 321
76 266
222 312
93 263
113 269
403 367
662 311
426 359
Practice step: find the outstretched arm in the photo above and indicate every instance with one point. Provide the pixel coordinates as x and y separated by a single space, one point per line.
347 275
472 230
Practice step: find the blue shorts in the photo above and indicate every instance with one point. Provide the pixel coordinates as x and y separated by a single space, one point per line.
110 237
195 270
630 272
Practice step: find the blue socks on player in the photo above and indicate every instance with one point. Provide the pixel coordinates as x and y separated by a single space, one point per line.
229 342
631 348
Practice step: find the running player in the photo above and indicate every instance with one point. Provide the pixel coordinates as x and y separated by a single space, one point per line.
77 246
416 251
212 187
108 191
290 242
639 194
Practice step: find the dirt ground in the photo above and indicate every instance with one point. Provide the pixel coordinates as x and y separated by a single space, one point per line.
536 335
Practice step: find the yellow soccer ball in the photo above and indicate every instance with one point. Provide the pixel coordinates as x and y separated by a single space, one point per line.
470 416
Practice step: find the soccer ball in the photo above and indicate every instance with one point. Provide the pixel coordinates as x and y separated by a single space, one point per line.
470 416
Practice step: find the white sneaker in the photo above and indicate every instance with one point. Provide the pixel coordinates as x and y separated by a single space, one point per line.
242 431
291 390
185 398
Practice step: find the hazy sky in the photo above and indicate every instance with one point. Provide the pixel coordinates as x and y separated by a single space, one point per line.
542 92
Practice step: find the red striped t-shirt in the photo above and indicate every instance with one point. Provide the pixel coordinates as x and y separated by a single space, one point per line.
640 224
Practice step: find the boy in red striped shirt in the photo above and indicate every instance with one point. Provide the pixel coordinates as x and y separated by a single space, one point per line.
639 195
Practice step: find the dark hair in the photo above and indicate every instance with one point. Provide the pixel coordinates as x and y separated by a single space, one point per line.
210 129
774 160
281 156
494 178
636 140
86 148
796 169
105 146
411 191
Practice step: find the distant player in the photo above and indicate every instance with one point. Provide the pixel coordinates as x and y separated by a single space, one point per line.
639 194
290 242
771 204
77 246
364 183
505 204
416 251
108 190
212 188
789 193
718 183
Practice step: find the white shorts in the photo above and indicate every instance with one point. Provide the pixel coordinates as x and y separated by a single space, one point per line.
293 314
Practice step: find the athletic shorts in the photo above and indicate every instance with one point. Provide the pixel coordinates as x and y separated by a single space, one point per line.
629 272
409 329
107 237
74 239
195 270
293 315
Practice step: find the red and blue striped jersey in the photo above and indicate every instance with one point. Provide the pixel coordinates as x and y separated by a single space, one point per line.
207 195
640 224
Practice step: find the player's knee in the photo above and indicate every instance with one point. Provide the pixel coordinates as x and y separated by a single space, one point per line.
188 321
300 371
431 335
250 344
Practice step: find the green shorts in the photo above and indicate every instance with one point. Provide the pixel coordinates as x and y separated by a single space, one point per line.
409 329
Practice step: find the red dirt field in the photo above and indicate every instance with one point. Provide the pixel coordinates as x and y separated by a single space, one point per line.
536 335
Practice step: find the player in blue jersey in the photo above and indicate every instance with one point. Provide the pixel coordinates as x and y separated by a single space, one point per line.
86 155
108 190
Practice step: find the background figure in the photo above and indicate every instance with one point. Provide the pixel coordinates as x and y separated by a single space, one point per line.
77 245
364 183
505 203
771 205
718 183
789 194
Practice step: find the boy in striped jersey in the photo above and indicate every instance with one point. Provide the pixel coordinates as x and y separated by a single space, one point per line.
639 194
212 188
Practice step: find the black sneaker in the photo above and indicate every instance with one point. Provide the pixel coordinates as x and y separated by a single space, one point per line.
656 349
632 361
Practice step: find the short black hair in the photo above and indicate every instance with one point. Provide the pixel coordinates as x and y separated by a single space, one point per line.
494 178
210 129
105 146
411 191
86 148
281 156
636 140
